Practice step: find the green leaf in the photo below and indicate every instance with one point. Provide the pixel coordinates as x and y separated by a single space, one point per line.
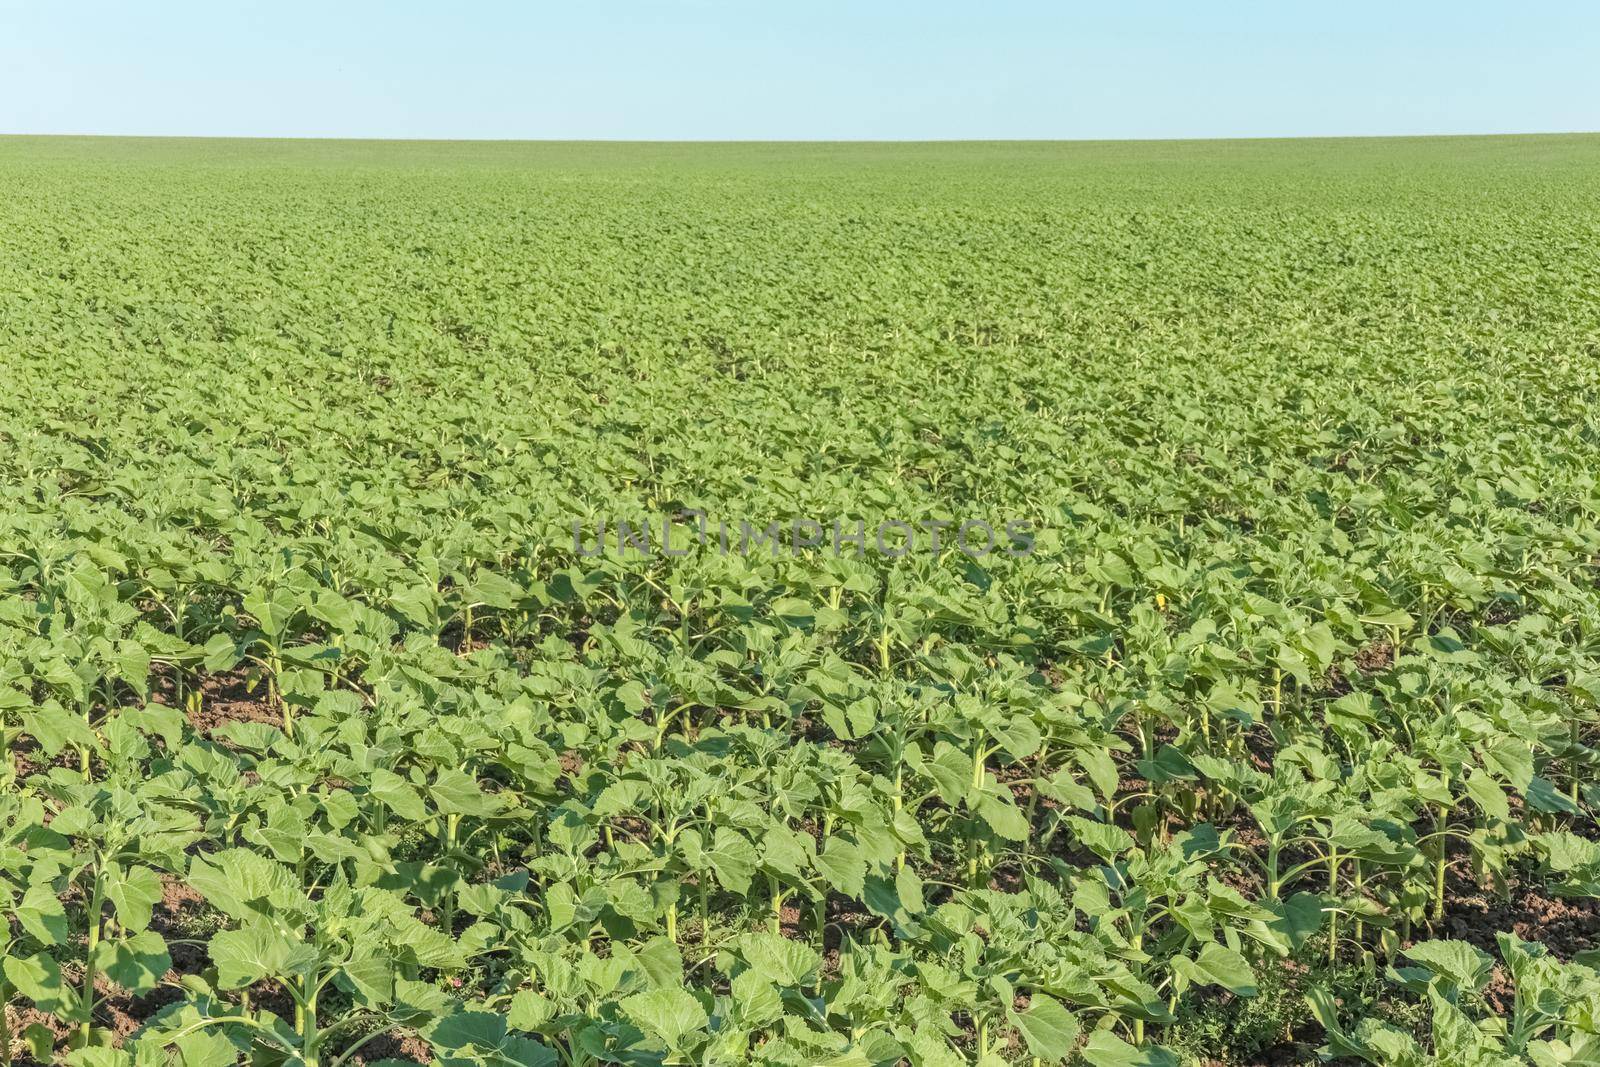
670 1014
468 1029
840 862
134 893
370 974
1222 966
41 914
899 900
529 1011
38 977
221 654
414 942
1455 1038
457 793
203 1048
1544 797
399 795
661 961
53 729
249 954
756 999
1487 794
733 858
1105 1049
783 961
242 884
135 963
1297 918
1103 839
1048 1028
1463 964
1002 814
283 835
951 771
97 1056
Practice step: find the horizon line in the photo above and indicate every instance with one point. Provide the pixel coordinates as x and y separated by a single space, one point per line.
793 140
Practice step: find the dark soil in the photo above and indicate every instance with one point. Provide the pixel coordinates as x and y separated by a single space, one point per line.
1375 657
1565 927
226 698
394 1045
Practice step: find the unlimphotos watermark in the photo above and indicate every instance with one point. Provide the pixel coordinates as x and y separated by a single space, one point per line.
677 536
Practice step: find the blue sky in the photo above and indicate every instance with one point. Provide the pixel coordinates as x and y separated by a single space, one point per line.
720 69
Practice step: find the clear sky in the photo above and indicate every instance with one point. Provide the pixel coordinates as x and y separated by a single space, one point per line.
787 69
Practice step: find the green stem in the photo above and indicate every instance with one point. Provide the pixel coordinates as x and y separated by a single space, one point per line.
275 697
1272 868
97 903
308 1027
1575 745
452 827
1441 864
5 1024
1360 883
1033 801
1138 1024
1333 893
899 800
822 936
973 845
83 750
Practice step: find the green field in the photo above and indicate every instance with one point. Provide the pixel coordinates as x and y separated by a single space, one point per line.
1268 728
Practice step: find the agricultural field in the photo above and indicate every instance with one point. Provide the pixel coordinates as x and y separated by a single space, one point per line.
1262 731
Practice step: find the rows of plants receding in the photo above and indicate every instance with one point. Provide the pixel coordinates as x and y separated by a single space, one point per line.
328 743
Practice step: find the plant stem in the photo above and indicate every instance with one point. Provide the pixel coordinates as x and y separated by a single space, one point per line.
5 1025
899 799
1575 745
822 936
973 845
83 750
1272 868
1333 916
275 697
452 826
1441 863
1360 882
308 1027
97 903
